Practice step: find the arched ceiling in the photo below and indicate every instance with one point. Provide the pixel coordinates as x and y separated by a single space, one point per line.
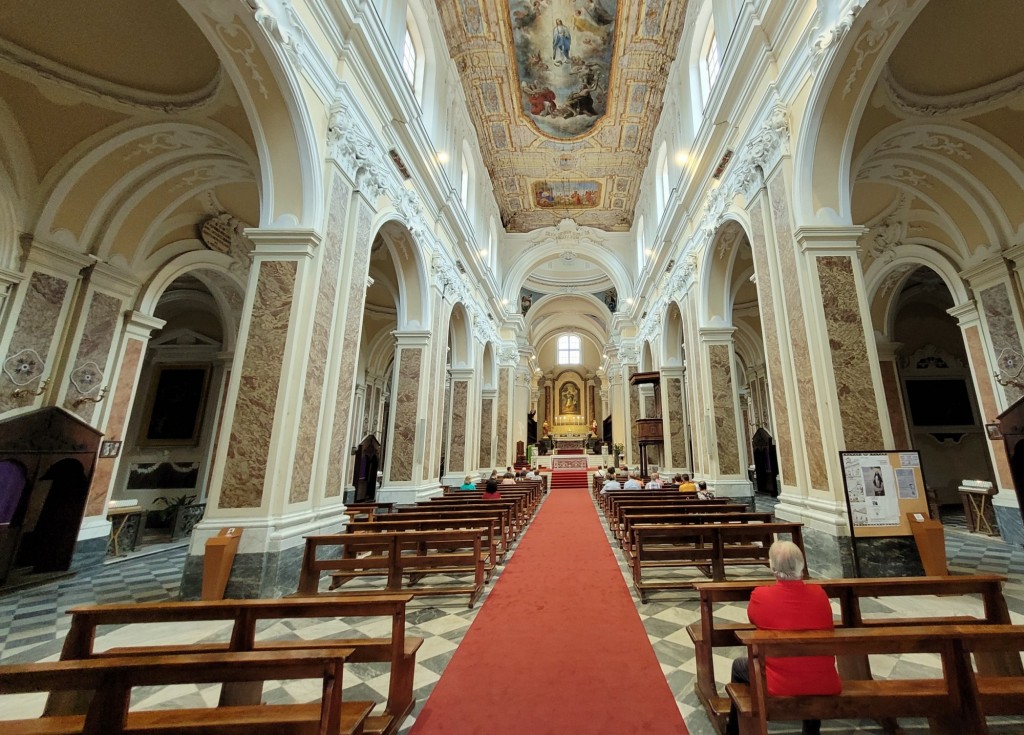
565 96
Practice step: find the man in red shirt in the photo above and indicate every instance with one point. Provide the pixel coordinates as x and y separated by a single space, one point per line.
790 605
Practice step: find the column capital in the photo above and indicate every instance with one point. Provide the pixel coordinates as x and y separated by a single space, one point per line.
886 348
462 373
114 279
716 335
411 337
673 371
142 325
965 314
986 273
290 244
843 240
488 393
57 258
1015 255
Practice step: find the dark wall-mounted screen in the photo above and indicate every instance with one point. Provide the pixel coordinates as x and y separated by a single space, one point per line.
939 402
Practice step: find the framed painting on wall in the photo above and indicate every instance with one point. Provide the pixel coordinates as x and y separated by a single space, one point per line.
174 410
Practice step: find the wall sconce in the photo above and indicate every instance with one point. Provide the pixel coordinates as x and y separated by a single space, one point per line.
86 399
1009 366
26 392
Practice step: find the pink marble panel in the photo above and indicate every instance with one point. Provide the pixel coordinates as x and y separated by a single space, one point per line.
255 408
351 339
989 408
723 399
676 421
34 330
504 379
460 403
121 401
894 403
101 322
1002 328
320 342
799 347
403 441
766 303
486 432
855 388
634 413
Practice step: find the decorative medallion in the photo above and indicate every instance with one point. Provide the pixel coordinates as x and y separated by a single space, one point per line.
24 367
87 378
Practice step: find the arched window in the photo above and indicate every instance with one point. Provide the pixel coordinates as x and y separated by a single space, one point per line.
641 243
412 58
569 350
464 185
710 64
662 173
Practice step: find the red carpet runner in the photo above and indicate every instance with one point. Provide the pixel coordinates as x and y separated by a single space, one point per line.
558 646
560 479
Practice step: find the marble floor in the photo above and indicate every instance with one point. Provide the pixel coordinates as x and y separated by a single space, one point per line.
33 624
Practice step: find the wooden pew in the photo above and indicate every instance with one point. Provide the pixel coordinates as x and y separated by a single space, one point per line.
502 513
686 517
710 633
518 517
398 650
491 526
623 511
615 502
395 556
951 702
111 680
708 547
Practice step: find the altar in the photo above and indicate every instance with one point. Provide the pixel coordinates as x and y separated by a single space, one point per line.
570 443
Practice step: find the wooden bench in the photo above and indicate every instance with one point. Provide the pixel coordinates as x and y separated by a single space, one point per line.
613 504
690 516
620 524
709 548
953 702
502 513
710 632
518 518
492 536
398 650
110 682
396 556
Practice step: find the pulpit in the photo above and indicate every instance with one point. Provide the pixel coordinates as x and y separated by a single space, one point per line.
648 430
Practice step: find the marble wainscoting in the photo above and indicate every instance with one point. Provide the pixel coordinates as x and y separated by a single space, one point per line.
1008 520
486 432
676 422
253 576
457 447
406 402
720 367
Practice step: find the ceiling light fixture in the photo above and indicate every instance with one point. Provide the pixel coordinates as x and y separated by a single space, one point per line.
482 252
682 158
629 301
648 252
442 157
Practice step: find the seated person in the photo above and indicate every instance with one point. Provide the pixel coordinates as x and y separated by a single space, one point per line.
468 484
508 479
610 484
600 473
686 485
703 492
790 604
633 483
530 474
654 483
677 478
491 491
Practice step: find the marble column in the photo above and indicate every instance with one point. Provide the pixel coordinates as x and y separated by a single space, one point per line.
261 468
632 411
406 478
91 547
31 368
674 419
520 405
487 432
728 465
991 402
893 387
1000 311
458 426
507 360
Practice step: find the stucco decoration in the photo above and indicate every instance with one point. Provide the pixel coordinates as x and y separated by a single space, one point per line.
565 111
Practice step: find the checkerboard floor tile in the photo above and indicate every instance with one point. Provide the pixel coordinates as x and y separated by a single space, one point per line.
33 624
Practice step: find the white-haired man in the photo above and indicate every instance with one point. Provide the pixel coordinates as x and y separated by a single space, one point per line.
790 604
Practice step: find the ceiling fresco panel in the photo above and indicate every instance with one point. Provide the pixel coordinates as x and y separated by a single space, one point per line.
565 96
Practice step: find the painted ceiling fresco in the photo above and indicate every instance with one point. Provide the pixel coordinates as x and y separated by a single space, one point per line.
565 96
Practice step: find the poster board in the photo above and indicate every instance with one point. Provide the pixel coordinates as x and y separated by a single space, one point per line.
882 488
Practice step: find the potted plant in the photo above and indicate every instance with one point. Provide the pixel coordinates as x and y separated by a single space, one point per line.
172 508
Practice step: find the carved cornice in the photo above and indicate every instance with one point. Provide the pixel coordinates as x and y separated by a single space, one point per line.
968 102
